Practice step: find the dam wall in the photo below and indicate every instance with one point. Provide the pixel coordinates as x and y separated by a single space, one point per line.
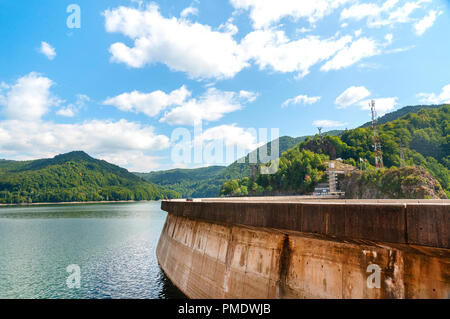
307 249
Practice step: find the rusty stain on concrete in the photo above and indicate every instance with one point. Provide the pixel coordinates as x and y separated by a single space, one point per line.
284 252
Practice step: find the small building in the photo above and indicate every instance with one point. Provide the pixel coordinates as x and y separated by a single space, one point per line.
321 189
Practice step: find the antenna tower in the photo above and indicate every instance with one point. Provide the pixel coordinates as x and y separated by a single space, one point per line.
376 139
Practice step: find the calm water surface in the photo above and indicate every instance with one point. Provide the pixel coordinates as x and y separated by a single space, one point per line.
114 245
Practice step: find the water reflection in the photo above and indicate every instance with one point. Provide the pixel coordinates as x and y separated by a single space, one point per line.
114 244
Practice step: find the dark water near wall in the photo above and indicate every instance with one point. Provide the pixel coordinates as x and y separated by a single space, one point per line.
114 245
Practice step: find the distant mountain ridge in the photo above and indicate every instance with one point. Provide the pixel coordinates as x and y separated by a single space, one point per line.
416 157
206 181
389 117
199 185
73 176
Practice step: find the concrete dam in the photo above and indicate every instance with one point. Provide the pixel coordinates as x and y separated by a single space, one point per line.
304 248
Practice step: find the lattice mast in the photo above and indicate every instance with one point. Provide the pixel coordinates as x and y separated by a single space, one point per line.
376 139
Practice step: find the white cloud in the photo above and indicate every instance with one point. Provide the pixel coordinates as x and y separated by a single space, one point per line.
328 123
355 95
351 54
388 14
151 104
248 96
212 106
301 99
303 30
228 135
66 111
401 15
431 98
264 13
426 23
102 139
71 109
207 53
360 11
229 27
3 86
29 98
182 45
189 11
47 50
270 48
389 37
24 134
134 161
351 95
382 105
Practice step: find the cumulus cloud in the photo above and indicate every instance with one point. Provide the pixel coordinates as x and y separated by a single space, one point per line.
271 48
432 98
211 106
328 123
204 52
24 134
134 161
47 50
389 37
182 45
189 11
304 99
73 108
427 22
98 138
391 12
228 135
151 104
351 95
264 13
351 54
29 98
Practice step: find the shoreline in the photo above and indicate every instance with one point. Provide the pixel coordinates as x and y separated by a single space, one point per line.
77 203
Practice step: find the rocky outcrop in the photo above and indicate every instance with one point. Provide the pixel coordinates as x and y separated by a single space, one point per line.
393 183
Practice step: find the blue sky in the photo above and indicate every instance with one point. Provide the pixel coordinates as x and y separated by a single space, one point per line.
137 72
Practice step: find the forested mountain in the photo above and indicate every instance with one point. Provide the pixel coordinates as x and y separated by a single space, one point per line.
207 181
70 177
400 112
420 138
203 182
199 182
415 139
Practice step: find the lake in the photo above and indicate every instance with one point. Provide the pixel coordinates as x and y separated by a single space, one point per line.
112 244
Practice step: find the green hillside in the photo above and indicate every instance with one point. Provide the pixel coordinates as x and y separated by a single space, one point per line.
389 117
207 181
199 182
70 177
415 139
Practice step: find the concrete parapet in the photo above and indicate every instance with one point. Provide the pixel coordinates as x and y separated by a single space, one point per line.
406 222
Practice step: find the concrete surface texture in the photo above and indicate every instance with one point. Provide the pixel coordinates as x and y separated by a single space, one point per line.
293 249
